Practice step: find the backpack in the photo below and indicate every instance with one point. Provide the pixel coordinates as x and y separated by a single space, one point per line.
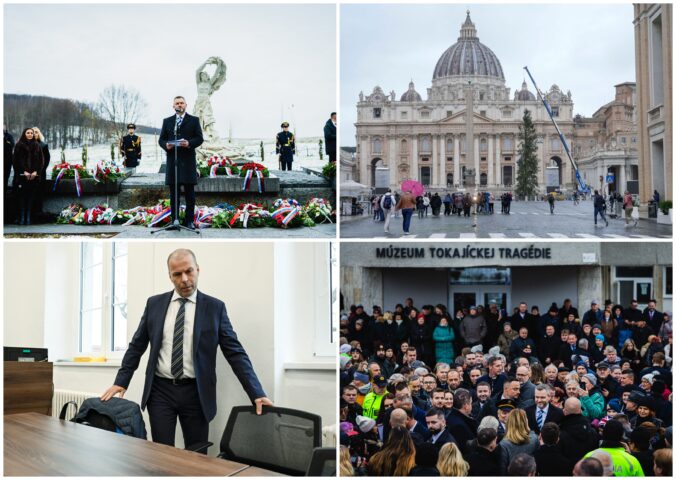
387 203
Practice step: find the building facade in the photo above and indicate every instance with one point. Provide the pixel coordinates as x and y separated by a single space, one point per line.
506 273
653 41
436 141
605 145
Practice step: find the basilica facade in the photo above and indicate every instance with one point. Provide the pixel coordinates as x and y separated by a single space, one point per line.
435 141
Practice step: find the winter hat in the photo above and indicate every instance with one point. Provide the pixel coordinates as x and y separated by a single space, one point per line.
648 377
345 348
344 361
493 351
477 349
614 404
591 377
362 377
365 424
613 431
600 337
648 402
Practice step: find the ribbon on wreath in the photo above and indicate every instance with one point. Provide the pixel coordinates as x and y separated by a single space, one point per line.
289 207
164 214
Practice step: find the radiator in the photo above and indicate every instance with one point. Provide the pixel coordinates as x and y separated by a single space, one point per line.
329 436
61 397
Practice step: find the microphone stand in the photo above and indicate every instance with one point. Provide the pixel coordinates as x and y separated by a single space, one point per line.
176 225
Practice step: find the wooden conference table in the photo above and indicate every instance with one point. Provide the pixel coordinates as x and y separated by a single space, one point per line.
39 445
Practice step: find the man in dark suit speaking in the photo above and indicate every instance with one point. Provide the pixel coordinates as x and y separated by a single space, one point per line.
184 329
189 132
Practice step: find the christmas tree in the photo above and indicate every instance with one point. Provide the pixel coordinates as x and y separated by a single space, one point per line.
527 175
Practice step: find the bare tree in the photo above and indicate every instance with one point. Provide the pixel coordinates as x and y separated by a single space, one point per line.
121 105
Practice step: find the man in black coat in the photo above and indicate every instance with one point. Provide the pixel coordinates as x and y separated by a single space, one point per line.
8 149
548 458
459 422
189 133
484 458
130 147
542 410
550 345
652 316
524 319
577 436
436 424
285 147
330 137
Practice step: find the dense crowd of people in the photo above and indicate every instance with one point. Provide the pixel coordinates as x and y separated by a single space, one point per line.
487 392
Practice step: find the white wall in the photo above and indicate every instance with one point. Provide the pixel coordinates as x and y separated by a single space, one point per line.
300 382
24 278
240 274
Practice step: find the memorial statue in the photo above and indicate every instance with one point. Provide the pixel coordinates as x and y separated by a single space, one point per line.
206 86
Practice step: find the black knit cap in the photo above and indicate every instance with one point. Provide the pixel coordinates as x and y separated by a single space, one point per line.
613 431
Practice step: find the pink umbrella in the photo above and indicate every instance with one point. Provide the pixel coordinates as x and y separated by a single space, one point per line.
416 188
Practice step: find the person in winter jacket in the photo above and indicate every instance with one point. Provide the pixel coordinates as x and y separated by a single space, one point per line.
473 328
506 337
443 337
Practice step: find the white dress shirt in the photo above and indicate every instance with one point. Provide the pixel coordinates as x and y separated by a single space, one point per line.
164 360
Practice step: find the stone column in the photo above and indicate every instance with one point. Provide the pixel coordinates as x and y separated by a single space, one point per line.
392 162
456 160
589 284
498 161
414 174
435 158
490 159
364 157
622 181
543 163
476 161
442 160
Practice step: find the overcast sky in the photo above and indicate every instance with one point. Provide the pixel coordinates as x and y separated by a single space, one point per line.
277 56
586 49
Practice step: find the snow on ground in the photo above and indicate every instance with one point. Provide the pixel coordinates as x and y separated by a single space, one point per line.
307 153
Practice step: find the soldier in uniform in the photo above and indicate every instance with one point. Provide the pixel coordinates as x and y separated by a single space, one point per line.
286 146
130 148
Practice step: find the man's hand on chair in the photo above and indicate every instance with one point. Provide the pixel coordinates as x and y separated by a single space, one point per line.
260 402
112 391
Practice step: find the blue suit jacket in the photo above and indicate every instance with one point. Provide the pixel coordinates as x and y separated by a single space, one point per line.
212 329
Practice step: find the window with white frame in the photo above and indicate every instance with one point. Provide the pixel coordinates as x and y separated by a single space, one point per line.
326 300
103 299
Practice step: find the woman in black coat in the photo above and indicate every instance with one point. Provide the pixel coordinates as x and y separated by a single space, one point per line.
46 157
27 170
421 339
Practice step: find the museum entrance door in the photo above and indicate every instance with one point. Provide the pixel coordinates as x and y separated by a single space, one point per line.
479 286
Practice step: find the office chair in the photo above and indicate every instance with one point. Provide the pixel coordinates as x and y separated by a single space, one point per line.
323 463
281 439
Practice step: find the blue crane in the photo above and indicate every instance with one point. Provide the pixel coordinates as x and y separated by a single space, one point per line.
583 186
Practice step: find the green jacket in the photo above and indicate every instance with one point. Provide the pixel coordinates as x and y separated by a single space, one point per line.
624 464
372 403
593 406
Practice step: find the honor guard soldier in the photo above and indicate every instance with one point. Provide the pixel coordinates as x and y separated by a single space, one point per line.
286 147
130 148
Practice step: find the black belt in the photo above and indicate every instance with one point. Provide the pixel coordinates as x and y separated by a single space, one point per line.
177 381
